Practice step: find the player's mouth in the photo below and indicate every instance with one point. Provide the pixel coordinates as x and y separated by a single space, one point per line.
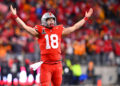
51 25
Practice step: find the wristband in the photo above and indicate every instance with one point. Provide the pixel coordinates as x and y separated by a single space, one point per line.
85 18
14 16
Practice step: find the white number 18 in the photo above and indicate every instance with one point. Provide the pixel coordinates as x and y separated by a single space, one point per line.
54 42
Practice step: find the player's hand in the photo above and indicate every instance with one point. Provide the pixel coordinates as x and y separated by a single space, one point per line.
89 13
13 10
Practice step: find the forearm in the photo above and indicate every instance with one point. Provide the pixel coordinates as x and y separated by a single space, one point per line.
75 26
26 27
78 24
20 22
29 29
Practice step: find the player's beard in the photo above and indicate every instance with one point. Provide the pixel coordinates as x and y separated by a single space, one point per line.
50 26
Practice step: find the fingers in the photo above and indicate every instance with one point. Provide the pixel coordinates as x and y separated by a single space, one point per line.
13 10
86 13
11 7
91 10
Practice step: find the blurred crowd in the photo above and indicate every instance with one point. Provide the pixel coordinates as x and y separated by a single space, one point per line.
97 41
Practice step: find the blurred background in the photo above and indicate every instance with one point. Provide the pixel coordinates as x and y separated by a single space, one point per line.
91 55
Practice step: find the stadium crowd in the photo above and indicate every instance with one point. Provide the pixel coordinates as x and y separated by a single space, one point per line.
97 42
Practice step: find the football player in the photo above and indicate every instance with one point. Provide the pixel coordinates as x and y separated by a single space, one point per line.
49 38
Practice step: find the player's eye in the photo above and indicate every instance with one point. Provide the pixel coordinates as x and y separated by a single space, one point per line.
50 19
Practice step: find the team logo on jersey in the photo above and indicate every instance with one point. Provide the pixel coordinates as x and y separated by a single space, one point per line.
43 31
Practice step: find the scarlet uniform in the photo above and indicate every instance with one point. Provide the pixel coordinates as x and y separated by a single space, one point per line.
50 42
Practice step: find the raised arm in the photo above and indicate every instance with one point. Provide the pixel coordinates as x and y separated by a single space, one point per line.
29 29
80 23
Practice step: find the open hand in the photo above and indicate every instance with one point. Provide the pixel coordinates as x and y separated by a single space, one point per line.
89 13
13 10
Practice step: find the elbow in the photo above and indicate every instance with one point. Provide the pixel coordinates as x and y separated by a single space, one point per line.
73 28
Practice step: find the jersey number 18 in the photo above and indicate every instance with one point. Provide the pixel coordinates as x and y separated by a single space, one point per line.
54 41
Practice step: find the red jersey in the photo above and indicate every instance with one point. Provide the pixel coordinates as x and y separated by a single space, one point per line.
50 42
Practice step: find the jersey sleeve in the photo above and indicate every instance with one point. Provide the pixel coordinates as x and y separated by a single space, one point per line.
38 28
61 28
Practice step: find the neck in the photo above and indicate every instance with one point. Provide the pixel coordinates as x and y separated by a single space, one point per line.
49 27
